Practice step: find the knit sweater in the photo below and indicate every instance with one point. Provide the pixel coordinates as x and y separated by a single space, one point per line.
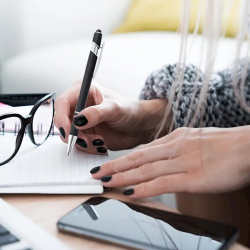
221 107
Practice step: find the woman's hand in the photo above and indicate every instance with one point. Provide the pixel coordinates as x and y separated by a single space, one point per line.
108 121
205 160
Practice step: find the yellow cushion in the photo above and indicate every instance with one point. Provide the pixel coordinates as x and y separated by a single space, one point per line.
164 15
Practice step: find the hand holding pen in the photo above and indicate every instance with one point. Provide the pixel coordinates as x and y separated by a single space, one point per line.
108 120
87 79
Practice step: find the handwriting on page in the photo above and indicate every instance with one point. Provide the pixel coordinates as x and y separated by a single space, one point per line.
49 164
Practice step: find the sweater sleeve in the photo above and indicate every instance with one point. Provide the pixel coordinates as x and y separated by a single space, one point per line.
221 107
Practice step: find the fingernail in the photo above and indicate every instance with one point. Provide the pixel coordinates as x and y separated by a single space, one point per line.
62 132
80 120
128 191
81 143
98 142
106 178
102 150
95 170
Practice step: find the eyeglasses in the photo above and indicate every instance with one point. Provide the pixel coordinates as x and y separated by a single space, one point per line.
37 124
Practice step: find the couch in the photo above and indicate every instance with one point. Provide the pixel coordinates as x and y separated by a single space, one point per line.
51 59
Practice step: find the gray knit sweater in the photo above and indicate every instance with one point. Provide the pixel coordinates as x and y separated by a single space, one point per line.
221 107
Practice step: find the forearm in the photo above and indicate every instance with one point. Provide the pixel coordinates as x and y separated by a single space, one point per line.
152 113
147 117
221 107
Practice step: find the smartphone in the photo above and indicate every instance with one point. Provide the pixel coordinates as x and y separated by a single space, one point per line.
142 227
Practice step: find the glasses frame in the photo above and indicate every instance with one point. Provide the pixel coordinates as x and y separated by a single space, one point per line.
28 122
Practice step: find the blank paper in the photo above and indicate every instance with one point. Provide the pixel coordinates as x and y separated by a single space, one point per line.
48 164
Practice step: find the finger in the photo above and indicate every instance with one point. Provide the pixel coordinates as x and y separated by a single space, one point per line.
82 141
167 184
85 143
61 117
65 103
107 111
71 95
91 139
64 109
134 159
64 125
95 140
147 172
94 150
62 106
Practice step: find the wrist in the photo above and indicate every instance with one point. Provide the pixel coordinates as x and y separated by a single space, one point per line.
151 113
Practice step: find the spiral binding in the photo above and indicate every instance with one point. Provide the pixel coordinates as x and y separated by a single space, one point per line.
17 128
2 125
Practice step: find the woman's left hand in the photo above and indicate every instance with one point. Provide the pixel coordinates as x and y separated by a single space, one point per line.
206 160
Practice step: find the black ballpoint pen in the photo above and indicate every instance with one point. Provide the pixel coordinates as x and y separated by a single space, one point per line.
86 82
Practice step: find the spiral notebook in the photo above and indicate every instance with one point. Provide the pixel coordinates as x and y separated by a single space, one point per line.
48 169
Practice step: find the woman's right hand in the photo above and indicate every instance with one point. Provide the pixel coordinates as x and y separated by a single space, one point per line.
108 121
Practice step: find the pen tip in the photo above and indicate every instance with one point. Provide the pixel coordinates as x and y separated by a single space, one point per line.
71 143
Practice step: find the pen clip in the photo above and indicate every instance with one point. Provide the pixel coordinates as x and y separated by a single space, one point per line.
99 59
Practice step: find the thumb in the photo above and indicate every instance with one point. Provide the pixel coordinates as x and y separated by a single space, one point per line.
107 111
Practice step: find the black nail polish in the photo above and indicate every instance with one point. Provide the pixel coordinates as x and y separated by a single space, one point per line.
62 132
102 150
81 143
128 191
98 142
95 170
80 120
106 178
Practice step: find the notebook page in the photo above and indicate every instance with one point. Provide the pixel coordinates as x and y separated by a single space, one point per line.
48 164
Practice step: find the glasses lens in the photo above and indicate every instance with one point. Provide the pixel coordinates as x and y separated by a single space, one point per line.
9 129
42 121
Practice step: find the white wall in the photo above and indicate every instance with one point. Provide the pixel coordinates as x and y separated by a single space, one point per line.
31 24
10 28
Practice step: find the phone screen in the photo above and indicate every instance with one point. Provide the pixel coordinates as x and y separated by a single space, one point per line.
144 227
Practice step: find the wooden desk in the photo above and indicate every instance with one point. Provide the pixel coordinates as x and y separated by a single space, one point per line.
46 210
